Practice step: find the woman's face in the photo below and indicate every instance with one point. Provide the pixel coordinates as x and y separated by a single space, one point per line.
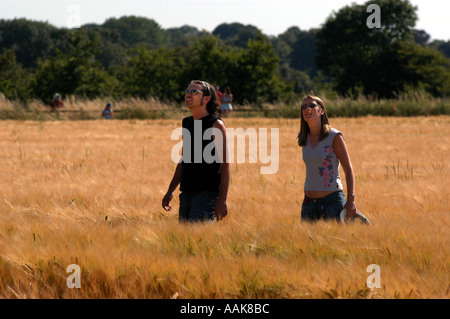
311 109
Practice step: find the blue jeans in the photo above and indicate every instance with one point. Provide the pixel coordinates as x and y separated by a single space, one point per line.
328 207
197 207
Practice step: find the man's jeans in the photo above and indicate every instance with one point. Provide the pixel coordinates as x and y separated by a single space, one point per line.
197 207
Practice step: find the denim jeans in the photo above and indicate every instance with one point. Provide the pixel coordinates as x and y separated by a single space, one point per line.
197 207
328 207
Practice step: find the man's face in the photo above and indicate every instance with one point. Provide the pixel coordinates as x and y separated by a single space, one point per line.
193 97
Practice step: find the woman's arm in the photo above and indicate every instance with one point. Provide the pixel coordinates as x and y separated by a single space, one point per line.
340 148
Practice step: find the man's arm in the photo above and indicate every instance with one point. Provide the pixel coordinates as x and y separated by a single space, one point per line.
173 185
220 208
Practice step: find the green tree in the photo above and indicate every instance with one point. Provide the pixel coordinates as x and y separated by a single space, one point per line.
424 68
251 73
14 80
74 69
236 34
113 48
357 58
137 30
154 73
442 46
421 37
182 36
28 39
207 60
257 78
299 80
297 49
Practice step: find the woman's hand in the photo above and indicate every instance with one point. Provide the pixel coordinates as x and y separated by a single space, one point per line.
350 206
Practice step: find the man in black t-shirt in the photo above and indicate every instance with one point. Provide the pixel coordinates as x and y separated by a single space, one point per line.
204 171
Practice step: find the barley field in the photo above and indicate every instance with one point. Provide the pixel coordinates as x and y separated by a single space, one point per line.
89 193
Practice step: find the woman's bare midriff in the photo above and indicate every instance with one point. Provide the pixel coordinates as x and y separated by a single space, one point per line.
317 194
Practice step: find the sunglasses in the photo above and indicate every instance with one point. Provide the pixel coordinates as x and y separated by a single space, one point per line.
193 92
310 105
205 84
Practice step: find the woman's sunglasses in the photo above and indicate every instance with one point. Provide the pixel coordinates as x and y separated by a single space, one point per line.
193 91
310 105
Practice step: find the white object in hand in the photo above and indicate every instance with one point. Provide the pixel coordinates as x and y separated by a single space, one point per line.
359 215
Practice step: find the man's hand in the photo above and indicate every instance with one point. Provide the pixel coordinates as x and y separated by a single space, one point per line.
166 200
220 210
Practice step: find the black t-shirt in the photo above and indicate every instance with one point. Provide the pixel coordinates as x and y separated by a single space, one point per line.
197 174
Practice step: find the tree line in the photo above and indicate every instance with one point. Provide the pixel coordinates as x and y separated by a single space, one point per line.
134 57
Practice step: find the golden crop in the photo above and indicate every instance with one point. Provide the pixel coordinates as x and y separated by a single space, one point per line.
89 193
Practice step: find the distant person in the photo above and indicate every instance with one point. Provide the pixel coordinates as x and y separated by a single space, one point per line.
227 99
323 149
56 102
220 95
107 112
203 182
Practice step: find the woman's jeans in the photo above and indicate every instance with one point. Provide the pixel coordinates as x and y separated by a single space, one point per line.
328 207
197 207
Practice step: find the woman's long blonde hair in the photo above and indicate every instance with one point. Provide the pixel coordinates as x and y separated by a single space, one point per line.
304 128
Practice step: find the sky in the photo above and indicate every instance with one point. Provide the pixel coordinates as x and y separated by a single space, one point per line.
272 17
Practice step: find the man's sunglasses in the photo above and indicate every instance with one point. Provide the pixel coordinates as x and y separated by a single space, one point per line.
193 92
310 105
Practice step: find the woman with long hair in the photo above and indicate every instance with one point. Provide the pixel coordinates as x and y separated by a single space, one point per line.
324 150
203 183
227 99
